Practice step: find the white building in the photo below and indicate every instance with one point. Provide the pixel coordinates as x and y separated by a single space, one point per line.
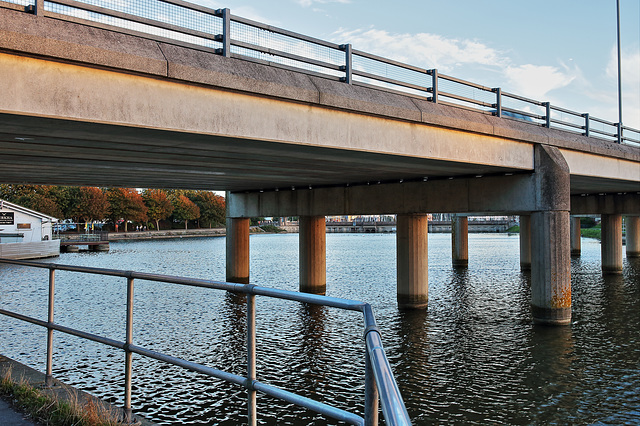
26 234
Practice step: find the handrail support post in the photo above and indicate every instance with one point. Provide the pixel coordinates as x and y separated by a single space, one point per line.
348 63
52 284
434 85
251 359
547 117
586 124
498 92
128 354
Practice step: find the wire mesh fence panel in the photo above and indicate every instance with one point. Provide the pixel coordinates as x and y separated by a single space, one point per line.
21 2
393 72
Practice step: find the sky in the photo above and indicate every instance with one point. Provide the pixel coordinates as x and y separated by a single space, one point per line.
558 51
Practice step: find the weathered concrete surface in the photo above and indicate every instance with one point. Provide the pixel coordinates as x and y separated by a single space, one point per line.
238 250
135 112
460 240
576 242
632 224
525 242
412 260
550 245
624 204
21 373
611 243
313 254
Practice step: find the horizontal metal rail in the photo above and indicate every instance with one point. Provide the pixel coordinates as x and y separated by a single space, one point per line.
379 380
232 42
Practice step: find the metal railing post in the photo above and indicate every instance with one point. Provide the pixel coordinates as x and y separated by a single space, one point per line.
39 8
620 127
128 354
348 63
225 14
586 123
370 394
498 101
547 116
434 85
251 359
52 284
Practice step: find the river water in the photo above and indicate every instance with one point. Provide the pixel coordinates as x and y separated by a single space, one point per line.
473 357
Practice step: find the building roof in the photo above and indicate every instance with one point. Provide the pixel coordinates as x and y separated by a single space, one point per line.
15 207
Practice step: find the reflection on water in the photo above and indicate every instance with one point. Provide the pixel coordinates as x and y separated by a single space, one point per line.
473 357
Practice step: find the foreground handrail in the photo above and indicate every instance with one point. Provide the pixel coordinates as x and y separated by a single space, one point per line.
237 37
379 379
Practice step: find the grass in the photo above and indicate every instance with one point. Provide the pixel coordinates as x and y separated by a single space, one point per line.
51 410
514 229
594 232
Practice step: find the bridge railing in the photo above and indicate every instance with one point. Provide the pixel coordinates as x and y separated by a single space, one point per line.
380 384
217 30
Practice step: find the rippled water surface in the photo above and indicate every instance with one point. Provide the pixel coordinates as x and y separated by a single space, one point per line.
473 357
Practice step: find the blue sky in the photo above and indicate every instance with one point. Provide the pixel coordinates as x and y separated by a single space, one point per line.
561 51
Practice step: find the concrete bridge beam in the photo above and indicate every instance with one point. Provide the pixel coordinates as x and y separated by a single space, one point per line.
238 250
633 236
460 240
313 257
611 243
576 245
525 242
550 246
412 261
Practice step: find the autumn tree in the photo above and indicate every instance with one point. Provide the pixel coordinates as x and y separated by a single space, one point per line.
89 204
127 204
212 207
158 204
184 209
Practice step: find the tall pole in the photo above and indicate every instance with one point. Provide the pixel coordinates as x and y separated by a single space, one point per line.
619 78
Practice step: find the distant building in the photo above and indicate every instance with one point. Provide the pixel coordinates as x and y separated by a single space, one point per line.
26 234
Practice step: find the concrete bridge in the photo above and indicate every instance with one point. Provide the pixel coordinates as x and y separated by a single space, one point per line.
87 104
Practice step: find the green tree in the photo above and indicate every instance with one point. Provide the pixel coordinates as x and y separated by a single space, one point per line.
212 207
49 200
184 209
126 204
158 204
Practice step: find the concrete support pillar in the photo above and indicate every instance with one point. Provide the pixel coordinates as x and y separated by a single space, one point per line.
632 225
551 268
525 242
576 247
313 257
611 243
412 260
238 250
460 240
550 239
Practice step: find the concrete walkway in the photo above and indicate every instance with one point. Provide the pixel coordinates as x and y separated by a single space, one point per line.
10 417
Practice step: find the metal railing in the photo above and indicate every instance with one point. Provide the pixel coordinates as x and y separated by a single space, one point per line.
380 384
217 30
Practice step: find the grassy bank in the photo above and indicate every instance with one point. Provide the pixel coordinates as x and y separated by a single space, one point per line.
48 409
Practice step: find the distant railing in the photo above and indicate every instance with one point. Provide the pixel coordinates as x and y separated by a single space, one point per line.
217 30
379 380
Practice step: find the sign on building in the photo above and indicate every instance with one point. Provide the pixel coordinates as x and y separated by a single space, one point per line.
6 218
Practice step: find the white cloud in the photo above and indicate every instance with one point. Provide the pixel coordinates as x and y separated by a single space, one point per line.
536 81
307 3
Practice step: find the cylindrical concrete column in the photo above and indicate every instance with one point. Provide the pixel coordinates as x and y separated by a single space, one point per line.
460 240
313 256
412 260
576 247
525 242
632 225
238 250
611 243
550 268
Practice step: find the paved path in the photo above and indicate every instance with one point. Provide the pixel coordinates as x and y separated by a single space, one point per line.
10 417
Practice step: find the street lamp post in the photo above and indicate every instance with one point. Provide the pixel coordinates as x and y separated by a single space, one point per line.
619 78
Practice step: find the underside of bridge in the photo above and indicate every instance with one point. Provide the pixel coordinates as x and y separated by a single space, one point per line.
88 106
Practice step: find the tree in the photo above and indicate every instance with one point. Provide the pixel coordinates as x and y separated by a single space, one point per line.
50 200
126 204
158 204
89 204
184 209
212 207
